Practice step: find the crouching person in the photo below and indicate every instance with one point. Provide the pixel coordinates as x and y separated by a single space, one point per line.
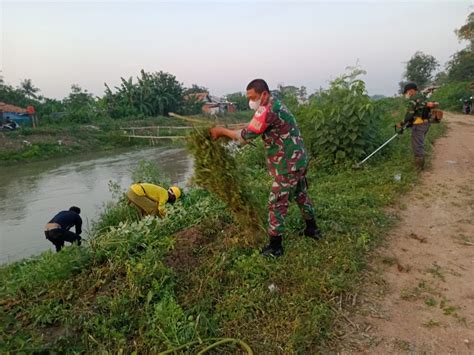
57 229
150 199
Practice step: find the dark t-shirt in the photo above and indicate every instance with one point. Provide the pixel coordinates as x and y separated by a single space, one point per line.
68 219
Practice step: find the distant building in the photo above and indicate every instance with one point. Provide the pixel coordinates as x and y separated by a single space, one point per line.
22 116
213 105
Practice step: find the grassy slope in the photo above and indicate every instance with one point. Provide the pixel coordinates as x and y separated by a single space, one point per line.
122 293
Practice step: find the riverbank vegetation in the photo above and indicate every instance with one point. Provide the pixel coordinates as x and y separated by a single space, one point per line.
83 122
188 280
194 280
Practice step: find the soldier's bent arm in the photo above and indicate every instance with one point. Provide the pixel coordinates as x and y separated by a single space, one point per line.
260 122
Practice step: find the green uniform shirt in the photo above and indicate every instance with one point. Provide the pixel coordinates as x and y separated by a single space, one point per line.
415 106
282 138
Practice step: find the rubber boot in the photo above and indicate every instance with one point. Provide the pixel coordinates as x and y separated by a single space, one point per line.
420 163
274 248
312 230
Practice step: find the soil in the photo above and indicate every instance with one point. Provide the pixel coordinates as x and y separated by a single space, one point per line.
183 257
419 291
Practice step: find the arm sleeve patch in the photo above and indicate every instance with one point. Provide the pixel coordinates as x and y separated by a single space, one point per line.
259 124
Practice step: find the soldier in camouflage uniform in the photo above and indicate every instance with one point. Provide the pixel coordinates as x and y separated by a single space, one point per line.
287 161
417 116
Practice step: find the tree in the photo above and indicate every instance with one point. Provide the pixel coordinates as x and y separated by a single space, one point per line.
441 78
153 94
239 99
80 105
288 90
289 94
466 32
461 65
78 98
16 96
195 89
27 87
302 94
420 68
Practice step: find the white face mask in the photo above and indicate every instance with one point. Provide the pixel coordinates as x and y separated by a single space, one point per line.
255 104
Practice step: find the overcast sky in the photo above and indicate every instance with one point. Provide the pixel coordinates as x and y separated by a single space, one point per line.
222 45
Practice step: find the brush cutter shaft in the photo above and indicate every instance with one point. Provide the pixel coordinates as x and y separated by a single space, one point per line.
375 151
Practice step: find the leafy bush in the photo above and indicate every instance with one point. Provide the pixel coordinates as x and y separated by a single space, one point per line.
449 95
461 66
191 105
240 101
341 123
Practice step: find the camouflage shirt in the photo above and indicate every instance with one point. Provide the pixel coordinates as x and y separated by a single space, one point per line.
282 138
416 105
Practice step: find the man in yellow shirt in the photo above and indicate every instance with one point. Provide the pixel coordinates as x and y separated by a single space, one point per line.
151 199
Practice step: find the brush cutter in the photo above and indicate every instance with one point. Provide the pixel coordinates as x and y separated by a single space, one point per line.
398 131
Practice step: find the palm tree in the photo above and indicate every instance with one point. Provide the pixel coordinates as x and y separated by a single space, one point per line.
27 87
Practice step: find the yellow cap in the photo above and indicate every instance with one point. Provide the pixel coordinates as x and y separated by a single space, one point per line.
176 191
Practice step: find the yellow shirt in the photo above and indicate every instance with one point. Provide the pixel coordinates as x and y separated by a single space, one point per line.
153 192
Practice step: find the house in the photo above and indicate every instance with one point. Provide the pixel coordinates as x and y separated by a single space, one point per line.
22 116
213 105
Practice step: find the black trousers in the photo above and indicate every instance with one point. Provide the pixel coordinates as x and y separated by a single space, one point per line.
59 236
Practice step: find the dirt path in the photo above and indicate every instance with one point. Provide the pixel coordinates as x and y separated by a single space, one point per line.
420 294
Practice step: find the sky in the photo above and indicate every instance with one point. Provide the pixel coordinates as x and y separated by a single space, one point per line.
222 45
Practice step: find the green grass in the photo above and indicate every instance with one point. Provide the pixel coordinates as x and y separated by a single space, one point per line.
49 147
120 293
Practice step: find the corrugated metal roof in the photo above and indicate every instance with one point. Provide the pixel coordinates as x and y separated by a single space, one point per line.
11 108
201 96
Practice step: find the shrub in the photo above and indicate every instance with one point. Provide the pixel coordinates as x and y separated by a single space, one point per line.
449 95
341 123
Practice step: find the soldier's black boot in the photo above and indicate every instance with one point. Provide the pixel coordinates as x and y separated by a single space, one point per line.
312 230
274 248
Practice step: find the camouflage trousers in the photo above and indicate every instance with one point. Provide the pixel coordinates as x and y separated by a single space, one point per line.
284 189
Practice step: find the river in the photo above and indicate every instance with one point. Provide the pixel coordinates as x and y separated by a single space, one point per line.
31 194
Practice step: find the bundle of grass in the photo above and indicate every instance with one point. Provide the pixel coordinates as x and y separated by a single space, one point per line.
216 170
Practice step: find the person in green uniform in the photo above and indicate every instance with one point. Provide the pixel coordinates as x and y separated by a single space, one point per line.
287 161
418 118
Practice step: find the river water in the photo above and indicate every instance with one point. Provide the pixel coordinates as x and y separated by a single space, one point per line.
31 194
